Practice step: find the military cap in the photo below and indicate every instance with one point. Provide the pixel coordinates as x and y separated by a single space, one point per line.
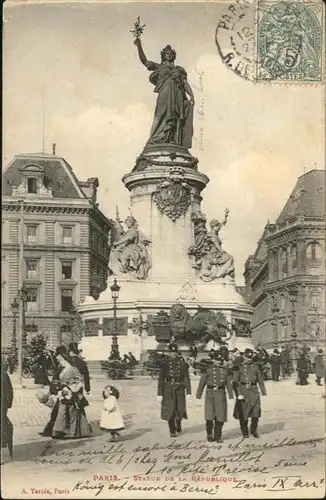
173 347
73 346
60 350
219 356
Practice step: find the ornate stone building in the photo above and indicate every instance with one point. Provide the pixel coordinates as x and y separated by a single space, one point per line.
65 251
285 278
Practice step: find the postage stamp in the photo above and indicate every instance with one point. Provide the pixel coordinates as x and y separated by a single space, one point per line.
289 41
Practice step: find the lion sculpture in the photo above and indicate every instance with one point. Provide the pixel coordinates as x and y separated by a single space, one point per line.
204 326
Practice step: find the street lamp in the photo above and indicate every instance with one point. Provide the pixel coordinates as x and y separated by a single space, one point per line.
15 311
115 289
22 296
274 323
317 323
293 326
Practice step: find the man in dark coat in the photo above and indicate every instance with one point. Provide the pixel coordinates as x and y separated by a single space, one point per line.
246 380
216 379
319 366
7 396
275 365
261 358
173 384
284 358
302 368
80 364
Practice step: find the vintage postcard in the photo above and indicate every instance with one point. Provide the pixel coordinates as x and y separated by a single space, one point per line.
163 250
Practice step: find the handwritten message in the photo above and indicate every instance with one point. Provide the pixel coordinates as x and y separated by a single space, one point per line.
192 467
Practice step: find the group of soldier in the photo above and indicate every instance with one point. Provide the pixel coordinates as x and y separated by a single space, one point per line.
225 373
240 376
281 365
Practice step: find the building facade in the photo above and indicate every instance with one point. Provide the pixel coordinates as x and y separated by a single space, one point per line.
55 246
285 278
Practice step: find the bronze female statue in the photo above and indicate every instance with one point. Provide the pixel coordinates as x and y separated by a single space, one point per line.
217 263
173 119
211 261
132 251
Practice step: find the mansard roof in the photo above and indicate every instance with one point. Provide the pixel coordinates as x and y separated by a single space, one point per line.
308 197
58 174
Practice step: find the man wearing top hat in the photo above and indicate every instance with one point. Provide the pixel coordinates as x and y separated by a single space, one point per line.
246 380
216 379
80 364
173 384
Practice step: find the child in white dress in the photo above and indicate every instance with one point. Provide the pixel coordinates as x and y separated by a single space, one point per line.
111 419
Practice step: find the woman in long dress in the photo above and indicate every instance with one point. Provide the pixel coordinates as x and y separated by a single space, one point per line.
173 119
71 421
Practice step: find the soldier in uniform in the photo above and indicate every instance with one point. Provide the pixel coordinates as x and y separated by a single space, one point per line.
173 384
216 379
248 404
275 365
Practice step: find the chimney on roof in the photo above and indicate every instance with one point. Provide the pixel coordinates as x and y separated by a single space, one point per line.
53 148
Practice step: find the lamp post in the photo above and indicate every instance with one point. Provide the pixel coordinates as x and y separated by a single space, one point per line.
317 322
22 293
293 327
274 322
115 289
15 310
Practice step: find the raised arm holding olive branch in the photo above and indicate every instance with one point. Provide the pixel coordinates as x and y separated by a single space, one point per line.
173 118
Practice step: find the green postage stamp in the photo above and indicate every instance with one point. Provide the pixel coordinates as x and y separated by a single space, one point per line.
290 41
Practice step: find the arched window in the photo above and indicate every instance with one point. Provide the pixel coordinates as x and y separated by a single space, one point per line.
313 252
284 262
274 265
294 257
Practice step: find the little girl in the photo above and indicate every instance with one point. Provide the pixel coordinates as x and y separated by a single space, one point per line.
111 419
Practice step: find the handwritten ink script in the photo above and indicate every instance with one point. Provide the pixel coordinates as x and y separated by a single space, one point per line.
195 467
199 87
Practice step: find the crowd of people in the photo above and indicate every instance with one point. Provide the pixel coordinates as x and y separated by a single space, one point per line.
239 374
278 364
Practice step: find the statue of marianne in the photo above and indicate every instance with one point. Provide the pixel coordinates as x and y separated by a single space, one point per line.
173 119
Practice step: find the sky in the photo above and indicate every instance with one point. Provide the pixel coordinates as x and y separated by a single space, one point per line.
71 74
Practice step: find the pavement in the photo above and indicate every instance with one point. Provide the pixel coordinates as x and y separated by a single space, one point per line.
292 430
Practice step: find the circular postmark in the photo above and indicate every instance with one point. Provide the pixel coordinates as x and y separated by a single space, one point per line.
235 38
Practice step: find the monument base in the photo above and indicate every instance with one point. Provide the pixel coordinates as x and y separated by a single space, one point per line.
140 300
166 155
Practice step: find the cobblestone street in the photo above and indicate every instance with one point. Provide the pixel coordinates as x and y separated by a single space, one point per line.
292 430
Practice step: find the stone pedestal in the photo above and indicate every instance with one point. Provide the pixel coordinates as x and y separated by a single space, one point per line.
165 191
171 235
